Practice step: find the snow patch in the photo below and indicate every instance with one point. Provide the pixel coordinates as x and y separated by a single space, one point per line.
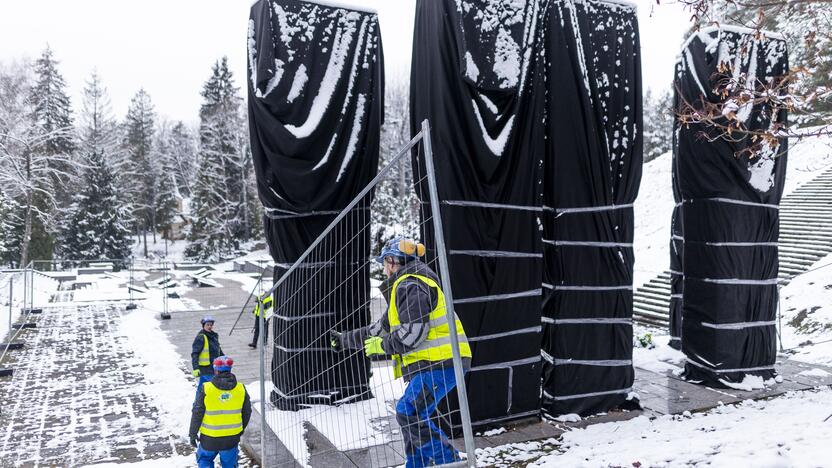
568 418
471 70
301 77
814 372
496 145
761 173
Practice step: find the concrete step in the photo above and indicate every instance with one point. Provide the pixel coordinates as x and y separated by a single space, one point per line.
650 294
791 256
651 301
660 310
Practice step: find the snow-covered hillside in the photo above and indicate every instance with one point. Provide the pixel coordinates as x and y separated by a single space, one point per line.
654 205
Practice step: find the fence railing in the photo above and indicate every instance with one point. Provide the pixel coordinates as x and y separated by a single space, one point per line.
319 379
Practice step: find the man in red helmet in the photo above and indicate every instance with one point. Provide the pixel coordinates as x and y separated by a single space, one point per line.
220 415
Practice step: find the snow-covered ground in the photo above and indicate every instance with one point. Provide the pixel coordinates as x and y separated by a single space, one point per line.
806 314
793 430
13 294
654 204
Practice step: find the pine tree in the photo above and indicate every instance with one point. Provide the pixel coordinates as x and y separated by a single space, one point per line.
52 114
165 190
52 107
9 229
28 173
658 124
181 142
222 212
98 228
141 173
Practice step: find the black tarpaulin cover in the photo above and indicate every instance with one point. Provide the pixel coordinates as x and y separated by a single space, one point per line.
729 211
475 76
677 241
592 168
315 94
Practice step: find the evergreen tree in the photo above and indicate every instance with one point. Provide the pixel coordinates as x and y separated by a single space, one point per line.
658 124
222 211
10 231
165 190
98 228
52 114
181 142
99 140
141 173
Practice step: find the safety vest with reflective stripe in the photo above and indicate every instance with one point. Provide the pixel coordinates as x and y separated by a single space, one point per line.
204 355
437 346
267 305
223 411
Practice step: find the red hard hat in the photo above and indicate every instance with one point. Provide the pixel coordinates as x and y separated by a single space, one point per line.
223 363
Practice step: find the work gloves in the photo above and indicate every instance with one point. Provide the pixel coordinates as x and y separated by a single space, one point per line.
372 346
195 373
335 341
193 441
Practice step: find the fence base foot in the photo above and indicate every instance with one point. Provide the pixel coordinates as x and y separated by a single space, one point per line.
12 345
132 306
165 316
173 295
18 326
6 372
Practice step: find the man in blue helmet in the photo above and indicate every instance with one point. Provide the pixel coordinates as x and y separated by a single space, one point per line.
415 331
205 349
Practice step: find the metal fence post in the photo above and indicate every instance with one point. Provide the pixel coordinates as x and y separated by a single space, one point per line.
450 314
262 346
11 300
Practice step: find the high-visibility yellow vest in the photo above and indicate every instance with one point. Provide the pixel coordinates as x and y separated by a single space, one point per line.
204 355
223 411
267 305
437 346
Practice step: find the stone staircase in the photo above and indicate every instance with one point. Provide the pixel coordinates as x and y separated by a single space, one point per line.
805 238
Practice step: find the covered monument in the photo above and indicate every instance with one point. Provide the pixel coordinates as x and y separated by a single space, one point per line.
316 103
592 165
730 188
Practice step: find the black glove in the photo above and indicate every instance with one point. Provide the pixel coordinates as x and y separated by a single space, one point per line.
335 340
193 441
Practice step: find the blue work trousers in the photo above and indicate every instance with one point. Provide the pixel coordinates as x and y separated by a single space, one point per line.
228 458
202 380
424 442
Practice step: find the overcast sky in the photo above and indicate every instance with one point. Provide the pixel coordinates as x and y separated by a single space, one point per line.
168 46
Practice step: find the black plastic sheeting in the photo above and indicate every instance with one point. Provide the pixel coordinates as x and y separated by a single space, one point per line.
592 165
475 76
536 113
316 100
729 210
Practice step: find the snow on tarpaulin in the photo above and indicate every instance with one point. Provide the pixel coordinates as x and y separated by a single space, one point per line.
592 171
729 211
315 108
474 74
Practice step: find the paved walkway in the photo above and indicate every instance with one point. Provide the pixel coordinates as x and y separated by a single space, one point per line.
72 400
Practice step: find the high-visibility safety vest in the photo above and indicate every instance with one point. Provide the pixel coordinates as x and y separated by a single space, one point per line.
267 305
437 346
223 411
204 355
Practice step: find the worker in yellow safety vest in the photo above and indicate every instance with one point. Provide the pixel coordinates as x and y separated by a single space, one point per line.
220 415
264 304
415 331
205 348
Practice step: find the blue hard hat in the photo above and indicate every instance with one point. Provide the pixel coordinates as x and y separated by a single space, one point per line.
401 247
207 319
